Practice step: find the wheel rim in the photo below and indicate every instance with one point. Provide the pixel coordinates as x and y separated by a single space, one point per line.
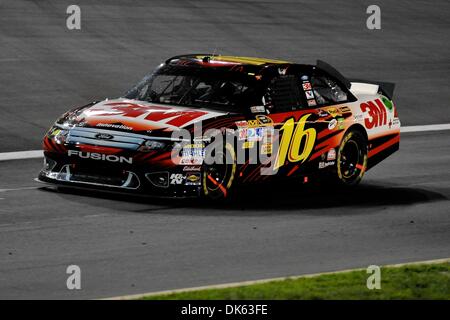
350 159
218 178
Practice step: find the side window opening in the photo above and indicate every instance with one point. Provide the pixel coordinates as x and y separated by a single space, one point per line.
327 91
284 93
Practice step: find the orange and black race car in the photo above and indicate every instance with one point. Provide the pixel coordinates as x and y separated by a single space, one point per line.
200 124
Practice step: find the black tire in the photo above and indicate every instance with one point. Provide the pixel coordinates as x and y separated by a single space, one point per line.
217 180
351 160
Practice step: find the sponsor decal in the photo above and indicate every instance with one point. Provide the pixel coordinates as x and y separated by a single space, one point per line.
334 112
255 134
376 114
257 109
255 130
193 179
332 124
309 94
248 145
158 114
242 134
242 123
266 148
306 85
388 103
264 120
322 113
323 165
196 149
260 120
176 178
190 160
253 123
345 109
251 134
331 155
192 168
202 139
193 154
114 126
341 124
268 134
312 103
100 156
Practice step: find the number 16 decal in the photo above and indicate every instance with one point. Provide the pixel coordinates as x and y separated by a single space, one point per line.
291 141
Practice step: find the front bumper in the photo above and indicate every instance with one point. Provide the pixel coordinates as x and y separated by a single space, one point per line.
138 179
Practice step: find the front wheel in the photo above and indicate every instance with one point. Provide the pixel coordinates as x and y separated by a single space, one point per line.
351 162
218 177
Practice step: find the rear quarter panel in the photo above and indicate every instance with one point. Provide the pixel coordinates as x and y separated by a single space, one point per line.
378 116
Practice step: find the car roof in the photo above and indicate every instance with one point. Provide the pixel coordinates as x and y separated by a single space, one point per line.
227 60
227 63
248 64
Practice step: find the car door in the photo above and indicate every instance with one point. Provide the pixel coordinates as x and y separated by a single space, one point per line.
294 121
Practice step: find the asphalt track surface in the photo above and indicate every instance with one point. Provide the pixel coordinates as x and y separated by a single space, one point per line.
132 245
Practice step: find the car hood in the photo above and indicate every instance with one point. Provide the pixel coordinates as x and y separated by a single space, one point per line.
137 116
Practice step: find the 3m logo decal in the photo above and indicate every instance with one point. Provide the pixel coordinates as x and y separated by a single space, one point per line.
291 146
152 113
377 115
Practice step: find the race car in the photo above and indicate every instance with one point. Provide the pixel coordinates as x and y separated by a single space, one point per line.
201 124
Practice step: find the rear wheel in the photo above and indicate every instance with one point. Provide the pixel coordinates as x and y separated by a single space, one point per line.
218 177
351 160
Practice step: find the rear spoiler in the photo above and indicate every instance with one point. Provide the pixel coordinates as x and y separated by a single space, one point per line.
387 88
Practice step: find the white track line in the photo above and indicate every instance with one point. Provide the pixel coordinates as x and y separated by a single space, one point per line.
21 155
431 127
248 283
18 189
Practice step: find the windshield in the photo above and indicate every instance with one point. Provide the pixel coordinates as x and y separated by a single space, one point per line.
224 91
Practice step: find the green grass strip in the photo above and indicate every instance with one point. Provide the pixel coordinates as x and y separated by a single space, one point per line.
427 281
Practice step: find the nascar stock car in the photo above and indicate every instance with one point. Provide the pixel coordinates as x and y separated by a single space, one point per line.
276 119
